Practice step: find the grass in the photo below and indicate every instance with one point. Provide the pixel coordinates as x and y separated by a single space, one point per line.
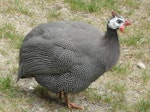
116 101
133 41
123 78
3 52
8 31
16 6
99 6
121 69
91 95
7 88
145 76
143 106
115 95
11 95
118 87
140 55
41 90
5 83
90 6
53 14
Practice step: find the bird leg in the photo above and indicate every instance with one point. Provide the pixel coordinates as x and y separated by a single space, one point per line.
60 95
72 105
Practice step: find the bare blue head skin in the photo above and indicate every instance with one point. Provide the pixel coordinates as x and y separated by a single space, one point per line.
118 22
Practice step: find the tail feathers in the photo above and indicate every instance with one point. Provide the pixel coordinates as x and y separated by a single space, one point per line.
20 73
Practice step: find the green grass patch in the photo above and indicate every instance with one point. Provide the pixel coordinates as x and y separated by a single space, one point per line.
91 5
121 70
120 88
107 98
91 95
8 31
145 76
7 88
148 95
41 90
139 55
99 5
17 6
5 83
128 3
11 96
116 101
143 106
3 52
117 87
49 1
134 40
116 97
137 39
119 104
53 14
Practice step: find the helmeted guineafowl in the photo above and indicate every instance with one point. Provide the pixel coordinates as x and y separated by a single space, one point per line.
67 56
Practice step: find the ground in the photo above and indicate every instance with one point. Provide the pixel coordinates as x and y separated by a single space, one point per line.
125 88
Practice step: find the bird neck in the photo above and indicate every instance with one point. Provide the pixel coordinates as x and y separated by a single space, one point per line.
111 34
111 42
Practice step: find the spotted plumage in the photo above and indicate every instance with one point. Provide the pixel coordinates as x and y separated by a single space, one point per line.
67 55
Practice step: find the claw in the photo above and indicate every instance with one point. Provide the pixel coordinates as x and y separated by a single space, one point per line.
72 105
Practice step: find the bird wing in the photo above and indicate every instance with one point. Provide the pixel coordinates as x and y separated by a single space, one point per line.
52 49
40 56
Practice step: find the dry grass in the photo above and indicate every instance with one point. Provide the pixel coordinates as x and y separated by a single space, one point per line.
125 88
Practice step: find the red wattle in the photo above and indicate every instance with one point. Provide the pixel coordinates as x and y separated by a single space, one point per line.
122 28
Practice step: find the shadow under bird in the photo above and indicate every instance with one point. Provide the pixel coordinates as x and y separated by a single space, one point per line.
67 56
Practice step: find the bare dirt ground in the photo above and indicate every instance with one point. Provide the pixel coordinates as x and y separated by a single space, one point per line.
32 101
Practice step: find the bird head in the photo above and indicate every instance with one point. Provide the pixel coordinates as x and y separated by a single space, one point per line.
118 22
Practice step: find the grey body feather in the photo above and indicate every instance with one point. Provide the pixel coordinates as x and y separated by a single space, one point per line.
67 56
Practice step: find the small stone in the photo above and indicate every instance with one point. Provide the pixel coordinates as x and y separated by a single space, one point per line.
126 50
31 88
141 65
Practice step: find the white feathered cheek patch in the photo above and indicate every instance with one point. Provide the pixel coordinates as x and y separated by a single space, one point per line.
115 23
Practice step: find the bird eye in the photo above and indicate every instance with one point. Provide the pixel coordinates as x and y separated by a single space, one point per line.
119 21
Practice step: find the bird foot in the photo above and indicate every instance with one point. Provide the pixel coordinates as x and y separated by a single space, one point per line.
71 105
75 106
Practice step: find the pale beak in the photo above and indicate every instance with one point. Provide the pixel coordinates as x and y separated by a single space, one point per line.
127 23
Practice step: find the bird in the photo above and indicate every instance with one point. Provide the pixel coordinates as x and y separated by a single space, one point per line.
66 56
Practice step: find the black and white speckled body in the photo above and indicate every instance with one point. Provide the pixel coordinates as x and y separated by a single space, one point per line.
67 56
